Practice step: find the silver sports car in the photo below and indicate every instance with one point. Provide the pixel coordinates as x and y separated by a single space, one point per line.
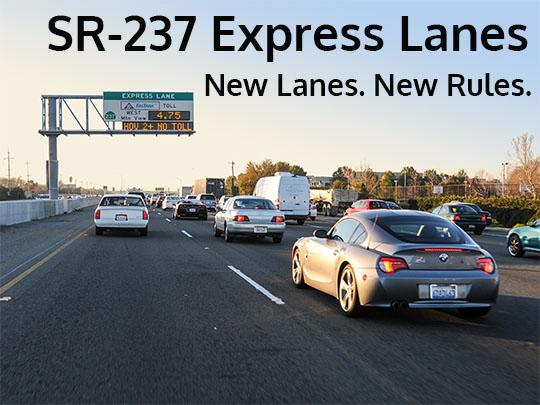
390 258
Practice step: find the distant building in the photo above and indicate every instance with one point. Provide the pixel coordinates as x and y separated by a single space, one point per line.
320 181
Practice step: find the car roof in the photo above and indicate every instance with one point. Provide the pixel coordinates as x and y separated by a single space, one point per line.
371 214
249 197
122 195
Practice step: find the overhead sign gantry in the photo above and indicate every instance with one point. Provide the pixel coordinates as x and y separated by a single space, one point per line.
136 112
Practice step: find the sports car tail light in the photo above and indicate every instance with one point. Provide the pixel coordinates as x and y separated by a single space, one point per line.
241 218
485 264
97 214
392 264
145 214
278 219
457 218
483 218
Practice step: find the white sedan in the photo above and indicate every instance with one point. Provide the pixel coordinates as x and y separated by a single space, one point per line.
121 211
169 202
249 216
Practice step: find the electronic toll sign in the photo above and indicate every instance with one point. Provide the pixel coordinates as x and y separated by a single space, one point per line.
149 111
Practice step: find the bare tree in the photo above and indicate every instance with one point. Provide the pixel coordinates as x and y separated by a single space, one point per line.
527 163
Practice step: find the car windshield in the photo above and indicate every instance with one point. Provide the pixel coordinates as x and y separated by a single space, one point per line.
118 201
207 197
421 229
462 209
253 204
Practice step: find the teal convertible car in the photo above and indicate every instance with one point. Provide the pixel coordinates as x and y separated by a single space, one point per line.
524 239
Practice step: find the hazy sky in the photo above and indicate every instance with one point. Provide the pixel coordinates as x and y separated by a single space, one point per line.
319 133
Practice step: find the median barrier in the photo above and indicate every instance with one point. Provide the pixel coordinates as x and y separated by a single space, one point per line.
20 211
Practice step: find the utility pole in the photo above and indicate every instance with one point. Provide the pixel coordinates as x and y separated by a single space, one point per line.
232 178
9 159
504 166
27 175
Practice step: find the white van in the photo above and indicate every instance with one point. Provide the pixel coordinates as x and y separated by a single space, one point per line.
289 192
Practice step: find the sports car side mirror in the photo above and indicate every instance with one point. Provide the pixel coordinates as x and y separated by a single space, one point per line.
320 233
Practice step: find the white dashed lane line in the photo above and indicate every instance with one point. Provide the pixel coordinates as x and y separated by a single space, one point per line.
258 287
167 219
187 234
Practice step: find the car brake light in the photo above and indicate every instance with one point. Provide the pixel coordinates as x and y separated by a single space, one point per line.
483 218
241 218
392 264
278 219
457 218
145 214
97 214
485 264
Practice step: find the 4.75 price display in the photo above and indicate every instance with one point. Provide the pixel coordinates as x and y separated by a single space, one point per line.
169 115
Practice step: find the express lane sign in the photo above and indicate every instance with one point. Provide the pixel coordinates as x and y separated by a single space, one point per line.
175 109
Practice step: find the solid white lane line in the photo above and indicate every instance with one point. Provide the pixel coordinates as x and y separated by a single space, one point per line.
258 287
167 219
187 234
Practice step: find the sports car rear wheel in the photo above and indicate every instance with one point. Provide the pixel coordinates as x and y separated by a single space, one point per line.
297 273
348 293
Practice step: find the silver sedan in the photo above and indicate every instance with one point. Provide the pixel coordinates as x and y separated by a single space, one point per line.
249 216
387 258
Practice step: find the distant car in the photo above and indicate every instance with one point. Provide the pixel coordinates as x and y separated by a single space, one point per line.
524 239
249 216
393 205
209 200
190 209
121 211
154 198
222 200
463 216
169 201
42 197
139 193
159 200
364 205
397 259
475 207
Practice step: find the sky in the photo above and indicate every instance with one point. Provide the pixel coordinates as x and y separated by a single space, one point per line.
318 133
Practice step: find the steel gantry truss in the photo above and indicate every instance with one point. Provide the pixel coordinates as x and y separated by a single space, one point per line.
88 122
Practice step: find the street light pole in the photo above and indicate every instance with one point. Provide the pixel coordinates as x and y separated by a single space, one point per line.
504 166
232 178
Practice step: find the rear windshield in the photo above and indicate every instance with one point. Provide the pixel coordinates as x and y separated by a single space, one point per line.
462 209
378 204
421 229
207 197
253 204
122 202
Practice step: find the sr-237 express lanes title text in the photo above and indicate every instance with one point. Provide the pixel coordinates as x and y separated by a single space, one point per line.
273 39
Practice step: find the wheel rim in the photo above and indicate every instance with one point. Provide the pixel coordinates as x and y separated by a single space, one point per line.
513 246
347 290
296 269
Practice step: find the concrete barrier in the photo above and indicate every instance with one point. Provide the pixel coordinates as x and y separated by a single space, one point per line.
16 212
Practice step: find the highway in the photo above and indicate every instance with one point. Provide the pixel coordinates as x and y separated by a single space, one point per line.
182 316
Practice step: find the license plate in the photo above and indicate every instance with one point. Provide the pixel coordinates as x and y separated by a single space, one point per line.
192 210
120 217
443 292
260 229
471 226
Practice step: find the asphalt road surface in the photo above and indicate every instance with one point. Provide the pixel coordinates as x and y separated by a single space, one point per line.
181 316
